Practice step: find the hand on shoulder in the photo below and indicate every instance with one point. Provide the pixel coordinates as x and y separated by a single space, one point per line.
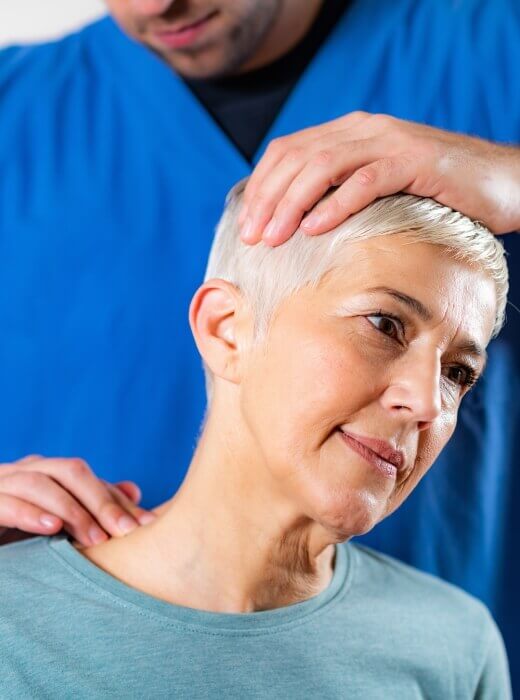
41 496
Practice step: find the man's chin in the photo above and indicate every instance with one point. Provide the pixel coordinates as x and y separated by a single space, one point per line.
191 68
207 63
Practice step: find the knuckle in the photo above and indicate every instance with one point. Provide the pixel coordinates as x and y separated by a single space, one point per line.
294 155
110 510
17 512
323 157
259 203
78 467
77 515
337 204
365 176
386 166
276 146
410 154
34 481
383 120
31 457
290 204
263 200
356 115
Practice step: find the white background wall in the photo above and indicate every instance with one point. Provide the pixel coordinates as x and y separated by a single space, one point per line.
34 20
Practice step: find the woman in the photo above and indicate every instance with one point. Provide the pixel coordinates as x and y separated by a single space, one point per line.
335 368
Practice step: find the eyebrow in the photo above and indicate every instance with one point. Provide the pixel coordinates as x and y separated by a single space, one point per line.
468 346
414 304
473 348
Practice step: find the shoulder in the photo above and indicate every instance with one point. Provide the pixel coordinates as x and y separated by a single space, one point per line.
29 571
25 560
37 66
426 611
444 12
448 630
421 592
33 577
444 613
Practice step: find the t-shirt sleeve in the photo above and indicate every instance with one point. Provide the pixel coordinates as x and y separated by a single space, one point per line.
494 682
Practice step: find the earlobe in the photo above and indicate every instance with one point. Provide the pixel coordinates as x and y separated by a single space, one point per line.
213 321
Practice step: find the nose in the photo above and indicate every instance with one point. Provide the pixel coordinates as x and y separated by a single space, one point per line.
415 388
150 8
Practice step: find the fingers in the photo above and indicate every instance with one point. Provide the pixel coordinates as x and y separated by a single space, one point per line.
142 516
130 490
10 467
29 459
41 492
383 177
273 154
87 507
294 195
281 148
269 193
90 492
21 515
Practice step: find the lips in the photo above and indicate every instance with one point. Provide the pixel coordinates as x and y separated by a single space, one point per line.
179 34
380 448
183 26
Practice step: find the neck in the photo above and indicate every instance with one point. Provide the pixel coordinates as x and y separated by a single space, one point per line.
228 541
292 24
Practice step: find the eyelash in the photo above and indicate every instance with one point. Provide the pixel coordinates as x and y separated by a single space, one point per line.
470 372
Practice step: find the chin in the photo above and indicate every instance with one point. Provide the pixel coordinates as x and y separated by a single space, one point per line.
351 514
207 65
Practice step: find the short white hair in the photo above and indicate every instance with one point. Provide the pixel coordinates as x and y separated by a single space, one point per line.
266 275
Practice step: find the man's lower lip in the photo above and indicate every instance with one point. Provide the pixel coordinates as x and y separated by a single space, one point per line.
386 468
183 37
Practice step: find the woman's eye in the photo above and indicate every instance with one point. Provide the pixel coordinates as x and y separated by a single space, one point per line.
464 376
388 325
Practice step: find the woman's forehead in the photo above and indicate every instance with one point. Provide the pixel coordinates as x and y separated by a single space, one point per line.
424 278
388 260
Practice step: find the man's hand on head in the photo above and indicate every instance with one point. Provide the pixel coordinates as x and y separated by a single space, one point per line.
40 496
367 156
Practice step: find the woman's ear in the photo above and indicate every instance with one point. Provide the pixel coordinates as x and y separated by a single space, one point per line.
214 323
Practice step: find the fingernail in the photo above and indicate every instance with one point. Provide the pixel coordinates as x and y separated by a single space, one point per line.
96 535
147 518
311 220
49 520
126 524
247 230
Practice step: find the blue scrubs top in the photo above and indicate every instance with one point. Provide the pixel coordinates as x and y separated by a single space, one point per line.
113 177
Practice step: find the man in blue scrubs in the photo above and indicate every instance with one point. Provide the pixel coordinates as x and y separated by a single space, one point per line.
117 146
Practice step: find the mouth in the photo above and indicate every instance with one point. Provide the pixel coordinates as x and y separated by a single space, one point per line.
181 35
378 453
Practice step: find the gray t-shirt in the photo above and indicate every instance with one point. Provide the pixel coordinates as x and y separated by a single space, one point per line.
379 630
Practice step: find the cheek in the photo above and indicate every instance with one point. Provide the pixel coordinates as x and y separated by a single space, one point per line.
434 440
302 390
297 392
430 445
